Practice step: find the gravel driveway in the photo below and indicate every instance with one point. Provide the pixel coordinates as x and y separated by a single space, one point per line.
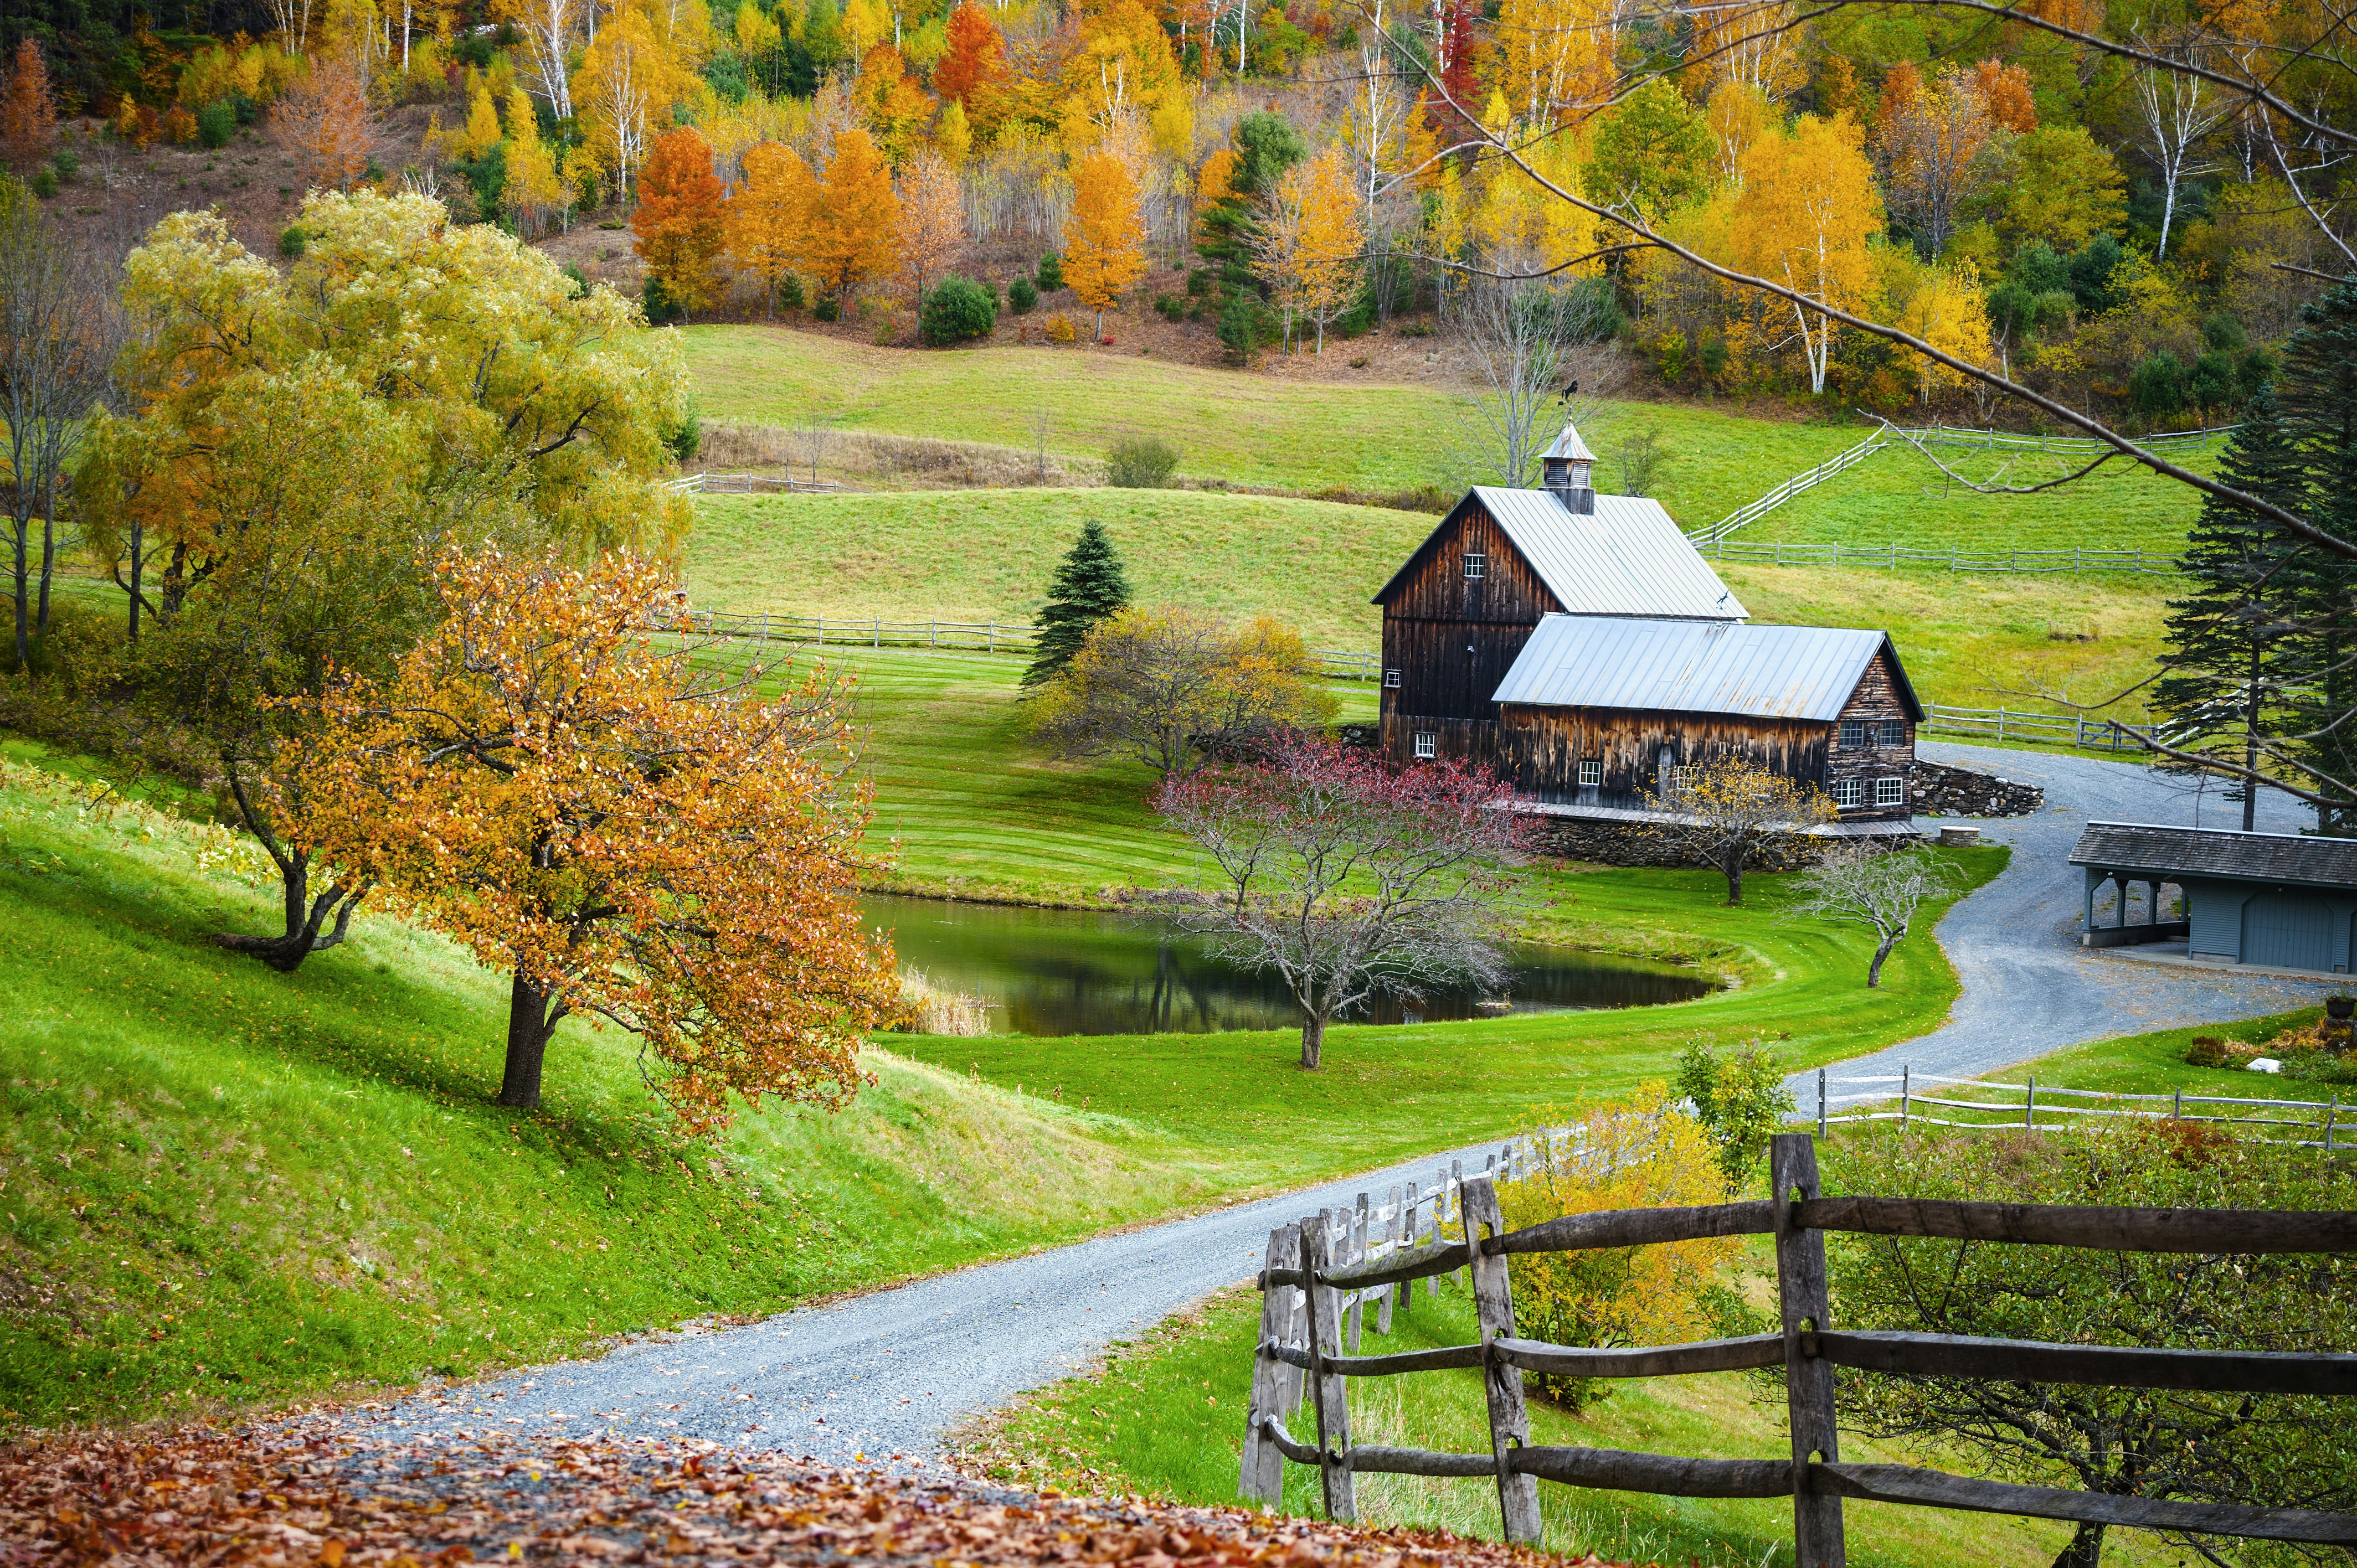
2028 986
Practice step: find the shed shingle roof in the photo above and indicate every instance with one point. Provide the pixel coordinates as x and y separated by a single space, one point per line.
2218 852
1626 558
1696 667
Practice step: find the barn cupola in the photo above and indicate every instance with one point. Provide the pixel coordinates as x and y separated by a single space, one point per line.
1568 467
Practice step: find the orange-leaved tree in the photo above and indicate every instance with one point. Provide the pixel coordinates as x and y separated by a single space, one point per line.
1330 243
633 831
849 237
28 110
892 104
975 59
1101 253
769 214
930 234
678 221
322 123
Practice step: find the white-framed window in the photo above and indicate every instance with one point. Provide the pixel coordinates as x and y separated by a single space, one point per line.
1477 565
1591 772
1853 731
1683 780
1846 793
1890 791
1427 745
1894 732
1391 680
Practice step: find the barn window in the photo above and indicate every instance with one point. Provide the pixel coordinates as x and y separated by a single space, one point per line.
1428 744
1846 794
1890 791
1591 772
1894 732
1853 731
1391 680
1683 780
1477 565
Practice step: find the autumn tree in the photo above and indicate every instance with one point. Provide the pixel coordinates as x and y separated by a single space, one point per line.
533 187
1876 887
853 214
678 221
1807 217
1753 42
506 405
1553 57
1102 251
29 109
624 77
1725 813
633 831
322 123
1170 686
1308 239
1938 147
891 105
974 62
552 32
1345 879
2005 92
768 215
929 233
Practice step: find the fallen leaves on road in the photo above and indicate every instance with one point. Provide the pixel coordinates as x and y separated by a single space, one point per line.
315 1492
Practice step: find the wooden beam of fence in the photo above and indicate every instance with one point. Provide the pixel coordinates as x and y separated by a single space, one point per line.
1642 1226
2112 1366
1934 1489
1443 1359
1644 1361
1618 1470
2228 1230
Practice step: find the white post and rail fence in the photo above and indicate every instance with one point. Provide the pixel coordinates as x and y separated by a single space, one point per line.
1320 1272
1974 1104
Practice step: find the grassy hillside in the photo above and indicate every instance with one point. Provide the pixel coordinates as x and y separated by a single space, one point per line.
1246 428
223 1185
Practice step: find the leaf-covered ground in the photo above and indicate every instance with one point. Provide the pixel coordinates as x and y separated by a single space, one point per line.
328 1491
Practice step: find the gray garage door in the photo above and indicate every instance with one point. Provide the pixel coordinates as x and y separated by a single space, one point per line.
2288 930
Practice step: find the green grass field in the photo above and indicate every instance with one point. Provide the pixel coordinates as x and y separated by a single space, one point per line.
1241 428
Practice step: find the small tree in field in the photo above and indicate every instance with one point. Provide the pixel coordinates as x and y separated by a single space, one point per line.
1343 878
1170 687
1857 885
630 833
1089 586
1725 813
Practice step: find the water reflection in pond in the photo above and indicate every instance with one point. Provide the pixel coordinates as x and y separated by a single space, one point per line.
1065 972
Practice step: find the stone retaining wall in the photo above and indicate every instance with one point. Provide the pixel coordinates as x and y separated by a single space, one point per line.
1607 842
1941 789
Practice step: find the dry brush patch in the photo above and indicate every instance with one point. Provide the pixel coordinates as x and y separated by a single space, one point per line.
318 1491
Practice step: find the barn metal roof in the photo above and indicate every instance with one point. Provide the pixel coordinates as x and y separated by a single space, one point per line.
2218 852
1696 667
1570 446
1626 558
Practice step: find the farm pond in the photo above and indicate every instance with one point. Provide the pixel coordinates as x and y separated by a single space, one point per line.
1069 971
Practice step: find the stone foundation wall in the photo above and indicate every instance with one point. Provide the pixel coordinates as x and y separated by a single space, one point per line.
1606 842
1940 789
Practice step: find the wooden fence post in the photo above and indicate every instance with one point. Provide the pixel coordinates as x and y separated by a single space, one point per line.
1457 1200
1353 1250
1393 1217
1262 1477
1808 1380
1493 1308
1411 1223
1325 1393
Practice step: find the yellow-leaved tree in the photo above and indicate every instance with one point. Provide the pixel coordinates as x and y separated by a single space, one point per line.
1102 251
1553 57
534 188
1945 308
634 833
1807 215
1643 1152
930 231
625 77
768 214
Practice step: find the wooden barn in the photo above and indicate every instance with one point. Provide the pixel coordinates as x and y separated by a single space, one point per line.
1612 711
1581 646
1458 614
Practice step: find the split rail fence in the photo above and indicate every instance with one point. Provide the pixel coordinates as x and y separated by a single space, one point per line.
1318 1271
983 637
755 484
1891 557
2305 1124
2013 724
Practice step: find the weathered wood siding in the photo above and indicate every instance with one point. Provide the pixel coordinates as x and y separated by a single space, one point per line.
1875 701
1542 749
1452 639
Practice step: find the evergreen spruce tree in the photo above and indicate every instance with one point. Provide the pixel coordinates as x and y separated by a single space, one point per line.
2320 406
1089 586
2228 639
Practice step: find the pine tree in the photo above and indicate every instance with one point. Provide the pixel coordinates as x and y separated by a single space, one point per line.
2221 688
1089 586
2319 405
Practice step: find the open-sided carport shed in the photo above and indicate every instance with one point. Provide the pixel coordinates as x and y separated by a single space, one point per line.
2280 899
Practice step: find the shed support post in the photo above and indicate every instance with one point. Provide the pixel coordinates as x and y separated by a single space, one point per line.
1808 1380
1493 1309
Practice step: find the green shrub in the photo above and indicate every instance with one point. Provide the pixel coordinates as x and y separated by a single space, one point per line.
579 279
685 439
1740 1102
1240 327
660 304
790 293
1051 272
956 310
1141 463
1166 308
292 241
67 162
827 310
1021 296
217 123
2157 389
44 182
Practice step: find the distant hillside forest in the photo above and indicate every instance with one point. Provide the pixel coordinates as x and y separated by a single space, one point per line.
2103 203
